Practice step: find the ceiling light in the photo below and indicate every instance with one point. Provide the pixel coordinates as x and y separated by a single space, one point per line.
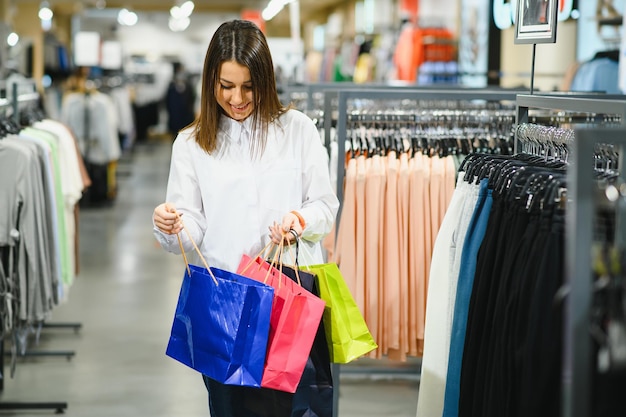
45 13
126 17
187 8
176 13
13 39
184 10
178 25
273 8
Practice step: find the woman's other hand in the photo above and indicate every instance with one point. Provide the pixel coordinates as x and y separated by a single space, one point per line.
290 221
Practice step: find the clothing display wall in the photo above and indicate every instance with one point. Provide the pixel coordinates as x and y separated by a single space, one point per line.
42 181
395 197
505 246
494 324
399 178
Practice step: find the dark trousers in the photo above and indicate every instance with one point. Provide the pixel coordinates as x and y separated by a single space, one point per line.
236 401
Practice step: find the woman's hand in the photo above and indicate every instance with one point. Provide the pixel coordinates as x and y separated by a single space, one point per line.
166 219
280 232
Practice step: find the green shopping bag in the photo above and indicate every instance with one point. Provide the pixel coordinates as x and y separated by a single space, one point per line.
346 331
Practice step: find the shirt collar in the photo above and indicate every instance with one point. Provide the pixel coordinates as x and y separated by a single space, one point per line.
234 128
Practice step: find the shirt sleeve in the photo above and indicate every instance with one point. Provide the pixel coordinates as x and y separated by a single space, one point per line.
319 202
183 191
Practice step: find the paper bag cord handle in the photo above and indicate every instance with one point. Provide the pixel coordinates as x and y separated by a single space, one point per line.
258 255
180 243
276 260
281 249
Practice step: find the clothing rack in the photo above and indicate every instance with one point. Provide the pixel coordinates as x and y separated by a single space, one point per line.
336 101
331 102
462 94
15 103
577 367
576 381
320 99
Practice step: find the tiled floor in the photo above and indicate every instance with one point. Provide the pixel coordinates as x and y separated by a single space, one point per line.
124 299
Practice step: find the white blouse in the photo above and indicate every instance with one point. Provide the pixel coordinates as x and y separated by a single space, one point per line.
230 198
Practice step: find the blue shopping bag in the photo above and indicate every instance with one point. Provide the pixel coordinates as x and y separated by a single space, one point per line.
221 325
221 330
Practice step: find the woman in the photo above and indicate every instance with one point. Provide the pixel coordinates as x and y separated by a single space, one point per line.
245 172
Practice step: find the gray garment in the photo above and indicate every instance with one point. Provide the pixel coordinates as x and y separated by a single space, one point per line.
92 119
54 225
21 210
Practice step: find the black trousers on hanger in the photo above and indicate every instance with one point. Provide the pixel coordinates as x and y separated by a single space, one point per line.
540 366
512 346
502 241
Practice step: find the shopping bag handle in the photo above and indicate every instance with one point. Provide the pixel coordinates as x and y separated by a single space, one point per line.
281 249
180 243
258 255
266 250
303 247
295 259
277 260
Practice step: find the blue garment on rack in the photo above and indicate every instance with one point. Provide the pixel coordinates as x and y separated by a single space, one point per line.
469 256
597 75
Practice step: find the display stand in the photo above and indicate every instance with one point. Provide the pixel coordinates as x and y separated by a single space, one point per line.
577 378
577 381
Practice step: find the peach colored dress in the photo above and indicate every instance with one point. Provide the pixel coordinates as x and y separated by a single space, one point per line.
403 254
345 256
359 273
391 260
417 255
374 204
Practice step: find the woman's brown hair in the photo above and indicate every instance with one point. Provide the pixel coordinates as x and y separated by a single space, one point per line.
243 42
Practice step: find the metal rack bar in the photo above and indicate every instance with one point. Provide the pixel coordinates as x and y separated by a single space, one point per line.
583 103
330 92
75 326
34 353
58 407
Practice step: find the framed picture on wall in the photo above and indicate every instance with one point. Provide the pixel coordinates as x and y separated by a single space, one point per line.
536 21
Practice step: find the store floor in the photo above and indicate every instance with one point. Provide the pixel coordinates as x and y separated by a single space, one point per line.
124 299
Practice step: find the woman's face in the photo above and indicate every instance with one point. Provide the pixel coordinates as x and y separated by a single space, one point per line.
234 90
